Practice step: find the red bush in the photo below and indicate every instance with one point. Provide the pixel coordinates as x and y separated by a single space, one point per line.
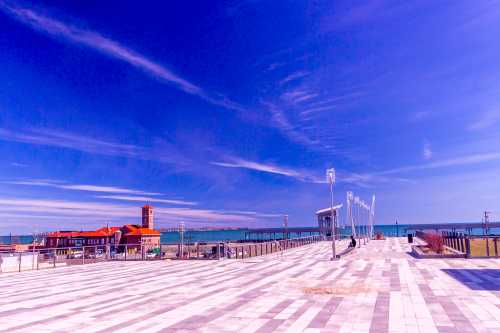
435 242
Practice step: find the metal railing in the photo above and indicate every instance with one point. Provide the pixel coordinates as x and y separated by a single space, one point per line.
487 246
457 241
473 246
484 246
43 258
264 248
16 261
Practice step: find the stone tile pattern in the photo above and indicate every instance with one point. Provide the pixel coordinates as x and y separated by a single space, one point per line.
377 288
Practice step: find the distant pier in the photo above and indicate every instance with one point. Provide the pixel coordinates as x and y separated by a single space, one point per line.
467 227
278 233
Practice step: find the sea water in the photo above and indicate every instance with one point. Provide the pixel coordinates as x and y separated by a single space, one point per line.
208 236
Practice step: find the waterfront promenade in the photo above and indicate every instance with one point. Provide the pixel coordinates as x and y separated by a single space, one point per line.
378 288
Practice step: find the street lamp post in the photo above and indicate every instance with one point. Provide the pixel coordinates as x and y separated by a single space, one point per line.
181 232
350 212
330 175
372 216
363 213
356 202
365 226
285 225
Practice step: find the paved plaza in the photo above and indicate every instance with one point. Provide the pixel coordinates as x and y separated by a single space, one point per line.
378 288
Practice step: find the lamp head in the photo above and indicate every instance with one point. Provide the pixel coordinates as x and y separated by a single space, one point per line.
330 175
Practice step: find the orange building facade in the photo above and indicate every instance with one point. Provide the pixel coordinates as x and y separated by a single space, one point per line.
134 236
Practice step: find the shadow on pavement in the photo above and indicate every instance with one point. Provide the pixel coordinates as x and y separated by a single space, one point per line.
477 279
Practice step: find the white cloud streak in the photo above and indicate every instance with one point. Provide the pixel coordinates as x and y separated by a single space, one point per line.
452 162
87 144
487 120
267 168
76 187
361 180
111 48
71 214
297 95
71 141
427 151
19 165
294 76
282 123
148 200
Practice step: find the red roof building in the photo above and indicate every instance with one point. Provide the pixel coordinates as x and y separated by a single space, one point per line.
103 236
132 235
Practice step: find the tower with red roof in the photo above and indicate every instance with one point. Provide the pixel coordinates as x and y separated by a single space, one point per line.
147 217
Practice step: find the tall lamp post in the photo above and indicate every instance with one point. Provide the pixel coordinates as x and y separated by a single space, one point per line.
363 218
350 202
356 202
372 216
181 233
285 225
330 175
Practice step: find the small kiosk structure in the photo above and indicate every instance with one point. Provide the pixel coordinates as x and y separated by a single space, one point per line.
325 220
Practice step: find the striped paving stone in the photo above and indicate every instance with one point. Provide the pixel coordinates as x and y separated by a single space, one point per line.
376 288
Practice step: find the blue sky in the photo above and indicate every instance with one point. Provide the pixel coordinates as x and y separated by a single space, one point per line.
228 113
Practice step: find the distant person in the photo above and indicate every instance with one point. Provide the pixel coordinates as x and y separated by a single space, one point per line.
353 242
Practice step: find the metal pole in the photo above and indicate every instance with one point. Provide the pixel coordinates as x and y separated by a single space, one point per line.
358 222
350 213
33 253
181 231
365 224
331 178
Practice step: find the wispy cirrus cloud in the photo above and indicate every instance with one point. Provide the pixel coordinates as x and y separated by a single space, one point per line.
427 151
113 49
318 109
294 76
274 65
451 162
267 168
391 175
95 212
69 140
85 143
18 165
79 187
330 103
92 214
419 116
306 176
281 122
205 215
297 95
486 120
148 200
